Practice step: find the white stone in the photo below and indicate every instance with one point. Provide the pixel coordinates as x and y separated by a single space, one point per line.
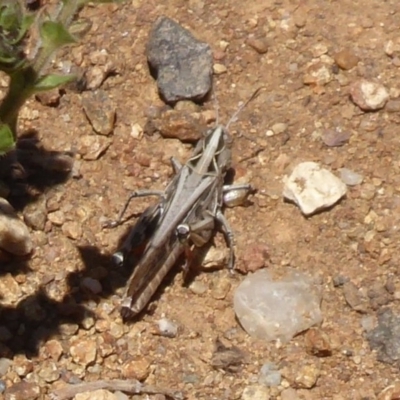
136 131
349 177
271 309
312 187
167 328
14 235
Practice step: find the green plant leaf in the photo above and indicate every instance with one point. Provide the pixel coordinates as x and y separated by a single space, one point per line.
26 23
10 16
7 141
55 35
52 81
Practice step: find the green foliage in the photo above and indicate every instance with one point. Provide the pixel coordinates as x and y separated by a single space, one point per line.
55 35
6 139
52 81
14 24
54 30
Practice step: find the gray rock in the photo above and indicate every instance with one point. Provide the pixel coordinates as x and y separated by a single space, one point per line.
182 64
269 375
385 338
35 215
91 285
100 111
355 298
335 138
14 235
271 309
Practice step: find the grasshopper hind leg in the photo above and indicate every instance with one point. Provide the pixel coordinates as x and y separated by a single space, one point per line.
229 238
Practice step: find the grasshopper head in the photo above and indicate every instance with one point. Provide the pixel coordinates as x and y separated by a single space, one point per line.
118 259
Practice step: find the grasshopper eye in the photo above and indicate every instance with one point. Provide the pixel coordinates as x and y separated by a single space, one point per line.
183 232
118 259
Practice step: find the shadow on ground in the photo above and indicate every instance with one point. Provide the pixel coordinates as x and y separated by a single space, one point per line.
30 169
38 317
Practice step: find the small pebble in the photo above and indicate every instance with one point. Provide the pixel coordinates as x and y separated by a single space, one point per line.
53 349
167 328
392 48
50 98
339 280
317 343
269 375
350 178
83 351
279 127
49 371
35 215
92 285
369 95
255 392
307 376
72 229
335 138
91 147
57 217
318 74
220 288
138 368
136 131
219 69
198 287
259 44
99 110
318 50
346 59
355 298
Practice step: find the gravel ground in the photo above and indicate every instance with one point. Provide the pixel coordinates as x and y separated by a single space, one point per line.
60 321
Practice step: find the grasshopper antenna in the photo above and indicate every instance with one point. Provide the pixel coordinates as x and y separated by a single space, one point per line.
216 105
238 111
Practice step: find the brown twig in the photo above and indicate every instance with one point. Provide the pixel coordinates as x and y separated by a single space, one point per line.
130 386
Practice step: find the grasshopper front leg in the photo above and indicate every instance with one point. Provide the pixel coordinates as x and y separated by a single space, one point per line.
133 195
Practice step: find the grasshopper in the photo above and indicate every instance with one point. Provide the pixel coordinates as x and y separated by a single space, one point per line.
184 217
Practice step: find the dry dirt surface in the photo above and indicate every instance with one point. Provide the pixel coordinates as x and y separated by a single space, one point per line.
59 309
